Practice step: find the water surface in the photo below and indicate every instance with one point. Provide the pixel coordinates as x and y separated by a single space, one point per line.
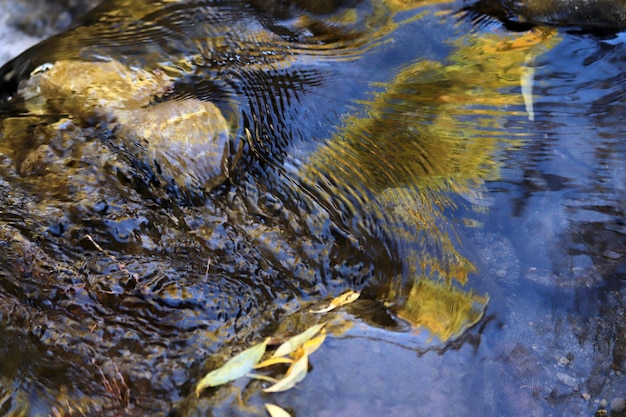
469 180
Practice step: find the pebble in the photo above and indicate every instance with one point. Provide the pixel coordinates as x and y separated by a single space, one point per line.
618 405
568 380
563 361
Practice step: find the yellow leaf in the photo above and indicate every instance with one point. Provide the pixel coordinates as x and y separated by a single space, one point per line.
262 378
236 367
295 342
276 411
312 345
296 373
345 298
273 361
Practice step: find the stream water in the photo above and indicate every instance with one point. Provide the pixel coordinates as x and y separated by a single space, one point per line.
469 180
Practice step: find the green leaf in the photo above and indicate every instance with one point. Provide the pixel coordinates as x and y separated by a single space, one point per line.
276 411
295 342
235 368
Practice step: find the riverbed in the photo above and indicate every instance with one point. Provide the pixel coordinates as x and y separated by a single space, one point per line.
468 180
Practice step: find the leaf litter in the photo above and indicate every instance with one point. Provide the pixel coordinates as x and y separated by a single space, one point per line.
294 352
235 368
296 373
298 340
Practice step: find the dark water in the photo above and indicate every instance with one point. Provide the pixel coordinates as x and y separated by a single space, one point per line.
382 146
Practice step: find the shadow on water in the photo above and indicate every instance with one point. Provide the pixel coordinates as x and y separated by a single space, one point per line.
181 179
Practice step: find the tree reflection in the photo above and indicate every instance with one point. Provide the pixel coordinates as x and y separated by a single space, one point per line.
425 139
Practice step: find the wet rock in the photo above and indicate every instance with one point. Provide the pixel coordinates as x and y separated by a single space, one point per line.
94 89
189 140
522 15
37 161
186 141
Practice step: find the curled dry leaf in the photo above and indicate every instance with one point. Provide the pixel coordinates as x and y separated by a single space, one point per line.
345 298
276 411
298 340
296 373
236 367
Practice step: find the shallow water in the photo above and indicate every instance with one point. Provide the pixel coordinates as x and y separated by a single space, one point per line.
469 180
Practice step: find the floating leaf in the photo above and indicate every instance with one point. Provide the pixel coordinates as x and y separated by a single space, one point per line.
296 373
312 345
345 298
276 411
236 367
262 378
273 361
295 342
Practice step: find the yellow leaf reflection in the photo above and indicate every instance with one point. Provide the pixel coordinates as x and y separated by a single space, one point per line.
422 144
443 310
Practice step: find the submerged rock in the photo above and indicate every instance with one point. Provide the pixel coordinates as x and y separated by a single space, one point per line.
186 141
93 89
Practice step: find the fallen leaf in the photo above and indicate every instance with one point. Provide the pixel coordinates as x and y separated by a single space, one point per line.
343 299
273 361
296 373
312 345
262 378
276 411
236 367
296 341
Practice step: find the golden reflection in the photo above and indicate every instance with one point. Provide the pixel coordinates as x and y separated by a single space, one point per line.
444 311
430 134
402 5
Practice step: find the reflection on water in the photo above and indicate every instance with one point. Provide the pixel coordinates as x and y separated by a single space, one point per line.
380 146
